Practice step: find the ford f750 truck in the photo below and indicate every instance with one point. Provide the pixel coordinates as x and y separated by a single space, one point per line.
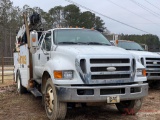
150 60
76 65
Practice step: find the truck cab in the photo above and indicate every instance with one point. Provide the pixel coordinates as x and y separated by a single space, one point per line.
150 60
76 65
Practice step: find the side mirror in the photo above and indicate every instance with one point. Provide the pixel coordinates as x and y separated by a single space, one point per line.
33 41
145 47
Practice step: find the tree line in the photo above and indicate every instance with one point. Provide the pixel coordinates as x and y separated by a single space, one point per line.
152 41
11 19
66 16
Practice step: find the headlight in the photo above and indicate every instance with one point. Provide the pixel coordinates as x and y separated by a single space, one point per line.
65 74
141 72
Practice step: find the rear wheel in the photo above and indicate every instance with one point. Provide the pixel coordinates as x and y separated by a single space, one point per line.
55 109
129 107
20 88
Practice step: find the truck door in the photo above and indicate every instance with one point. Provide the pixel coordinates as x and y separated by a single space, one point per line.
43 54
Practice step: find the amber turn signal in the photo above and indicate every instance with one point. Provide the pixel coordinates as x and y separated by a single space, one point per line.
144 72
58 74
92 28
116 42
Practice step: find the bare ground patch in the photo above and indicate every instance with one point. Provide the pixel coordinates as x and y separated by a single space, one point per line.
26 107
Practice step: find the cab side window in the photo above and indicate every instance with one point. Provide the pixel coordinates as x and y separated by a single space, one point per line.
46 45
40 40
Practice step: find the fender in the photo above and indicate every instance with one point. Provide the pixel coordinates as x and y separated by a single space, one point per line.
61 62
139 66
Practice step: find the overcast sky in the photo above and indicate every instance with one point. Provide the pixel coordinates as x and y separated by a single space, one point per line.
127 12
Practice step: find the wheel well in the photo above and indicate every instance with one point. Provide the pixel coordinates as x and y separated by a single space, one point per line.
45 76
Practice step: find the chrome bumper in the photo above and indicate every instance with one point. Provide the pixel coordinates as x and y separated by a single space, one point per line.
153 77
94 93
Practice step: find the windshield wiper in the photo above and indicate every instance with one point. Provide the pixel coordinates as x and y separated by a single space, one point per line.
86 43
67 43
135 49
139 50
79 43
129 49
96 43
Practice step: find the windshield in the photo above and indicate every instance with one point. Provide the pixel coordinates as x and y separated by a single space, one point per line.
130 45
80 36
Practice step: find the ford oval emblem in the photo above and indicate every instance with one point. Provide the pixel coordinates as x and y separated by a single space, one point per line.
111 69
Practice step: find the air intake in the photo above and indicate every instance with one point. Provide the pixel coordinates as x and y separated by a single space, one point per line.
83 65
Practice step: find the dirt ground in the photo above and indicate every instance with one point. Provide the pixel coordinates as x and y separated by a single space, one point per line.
26 107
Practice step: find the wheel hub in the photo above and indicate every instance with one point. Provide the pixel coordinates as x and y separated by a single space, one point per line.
49 99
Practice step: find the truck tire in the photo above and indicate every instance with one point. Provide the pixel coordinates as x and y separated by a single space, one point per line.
43 104
20 88
129 107
154 85
55 109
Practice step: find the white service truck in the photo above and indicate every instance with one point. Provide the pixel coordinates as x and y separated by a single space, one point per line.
76 65
150 60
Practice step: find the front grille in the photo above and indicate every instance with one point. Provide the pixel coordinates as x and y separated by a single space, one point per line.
101 61
153 66
111 69
153 71
118 68
153 59
154 74
152 62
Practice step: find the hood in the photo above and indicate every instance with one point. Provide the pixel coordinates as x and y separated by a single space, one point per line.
91 50
144 54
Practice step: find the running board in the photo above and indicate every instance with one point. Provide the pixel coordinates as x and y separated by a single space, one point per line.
35 92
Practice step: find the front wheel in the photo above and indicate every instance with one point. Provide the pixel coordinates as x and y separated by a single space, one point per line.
154 84
129 107
20 88
55 109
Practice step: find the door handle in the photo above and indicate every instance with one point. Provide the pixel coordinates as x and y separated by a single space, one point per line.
38 56
47 58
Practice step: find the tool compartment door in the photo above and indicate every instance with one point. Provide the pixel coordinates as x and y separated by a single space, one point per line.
16 63
24 64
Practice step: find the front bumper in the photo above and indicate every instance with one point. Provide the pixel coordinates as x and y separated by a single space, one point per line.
150 77
100 93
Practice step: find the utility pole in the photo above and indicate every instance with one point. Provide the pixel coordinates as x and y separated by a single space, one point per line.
10 41
3 46
29 45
